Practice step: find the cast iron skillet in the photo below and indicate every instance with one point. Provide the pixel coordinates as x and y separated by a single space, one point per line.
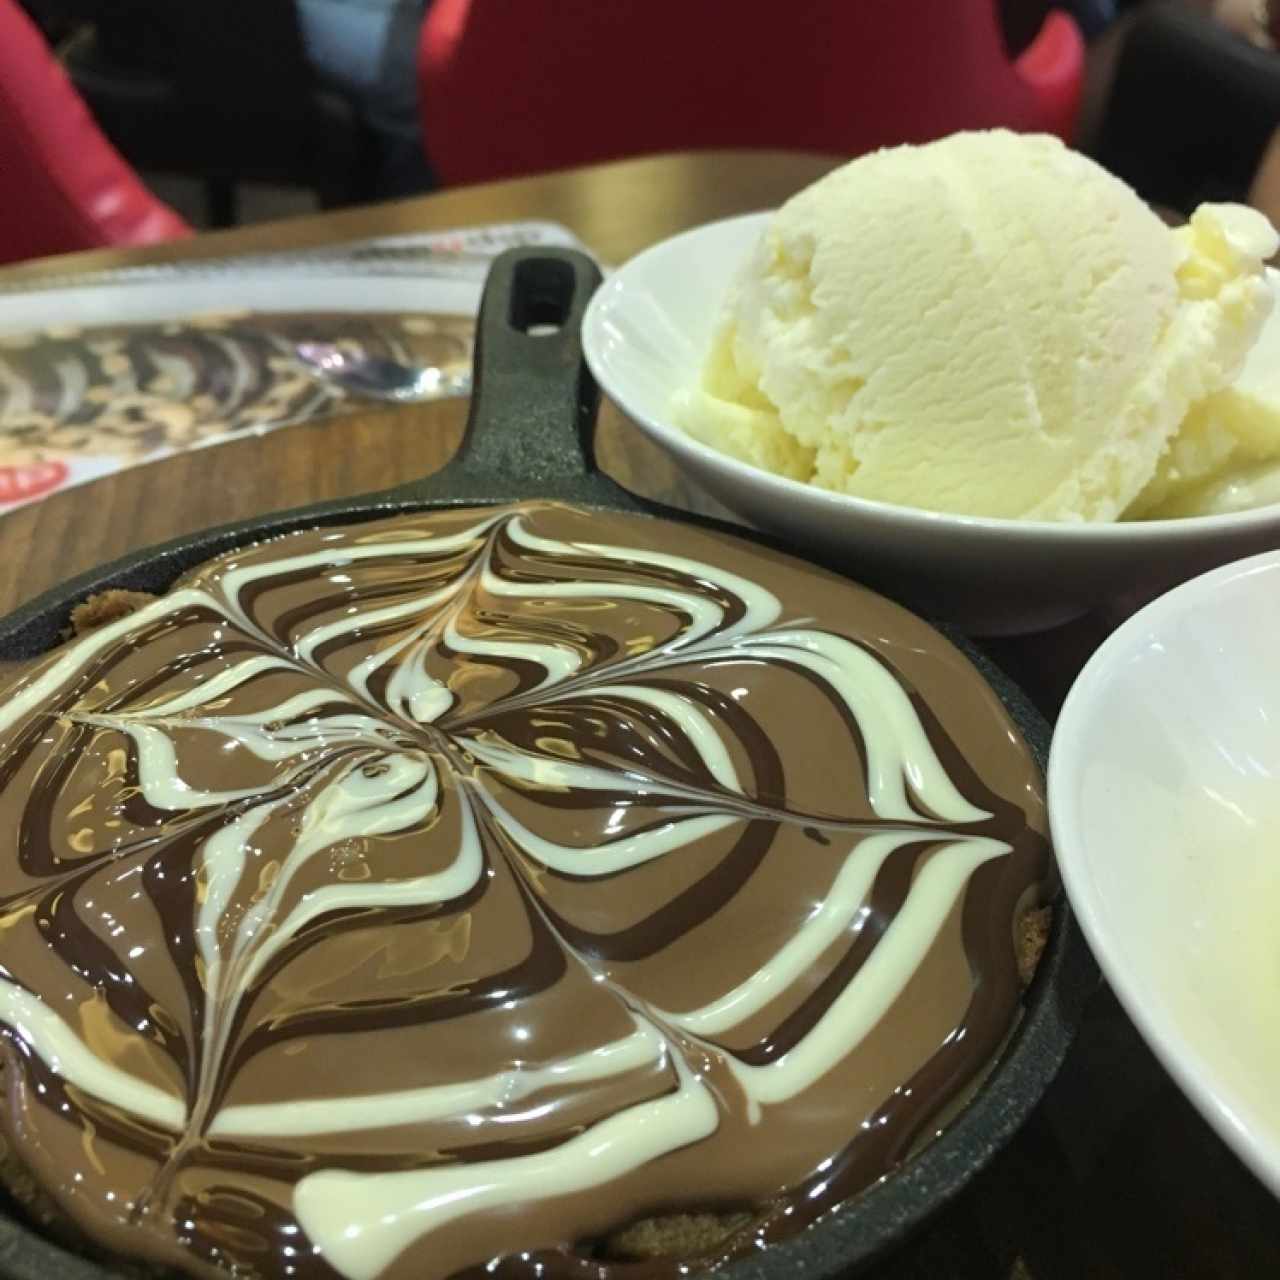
530 435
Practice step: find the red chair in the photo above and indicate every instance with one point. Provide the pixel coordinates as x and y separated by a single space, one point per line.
66 187
510 87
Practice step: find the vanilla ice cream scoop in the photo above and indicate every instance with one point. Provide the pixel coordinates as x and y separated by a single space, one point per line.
1226 455
988 325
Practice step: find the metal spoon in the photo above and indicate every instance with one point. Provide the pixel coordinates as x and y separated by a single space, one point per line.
379 378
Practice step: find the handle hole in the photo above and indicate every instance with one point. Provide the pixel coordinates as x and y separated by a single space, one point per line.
541 296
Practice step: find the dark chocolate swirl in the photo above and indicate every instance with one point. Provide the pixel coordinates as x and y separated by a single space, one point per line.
390 900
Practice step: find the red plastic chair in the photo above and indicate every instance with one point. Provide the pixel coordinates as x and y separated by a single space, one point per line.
66 187
511 87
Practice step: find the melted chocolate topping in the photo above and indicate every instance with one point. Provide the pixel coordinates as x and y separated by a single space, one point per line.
391 900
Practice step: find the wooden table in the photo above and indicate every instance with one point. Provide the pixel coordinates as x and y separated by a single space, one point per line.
1116 1176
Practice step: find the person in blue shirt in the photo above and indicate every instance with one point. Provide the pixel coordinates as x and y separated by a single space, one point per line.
367 51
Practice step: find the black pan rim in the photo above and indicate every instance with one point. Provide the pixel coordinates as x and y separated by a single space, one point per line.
849 1235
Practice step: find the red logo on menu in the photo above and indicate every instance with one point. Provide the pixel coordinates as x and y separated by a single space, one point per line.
17 484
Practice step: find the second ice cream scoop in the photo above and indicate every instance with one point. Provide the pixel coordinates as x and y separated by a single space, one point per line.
988 325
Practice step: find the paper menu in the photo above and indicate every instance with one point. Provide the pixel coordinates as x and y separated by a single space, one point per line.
106 371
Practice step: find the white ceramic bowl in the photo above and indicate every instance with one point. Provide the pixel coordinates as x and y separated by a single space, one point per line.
645 334
1164 796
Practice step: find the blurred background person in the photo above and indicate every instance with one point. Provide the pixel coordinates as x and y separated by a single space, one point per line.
347 101
367 50
238 96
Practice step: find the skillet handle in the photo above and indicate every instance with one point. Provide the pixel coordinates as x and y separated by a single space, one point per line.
530 431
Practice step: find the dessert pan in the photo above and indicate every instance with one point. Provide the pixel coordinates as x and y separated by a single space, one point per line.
530 435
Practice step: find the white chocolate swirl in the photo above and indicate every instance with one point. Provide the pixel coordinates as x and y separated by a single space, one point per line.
412 717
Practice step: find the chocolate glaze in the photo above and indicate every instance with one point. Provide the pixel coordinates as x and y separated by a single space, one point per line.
635 758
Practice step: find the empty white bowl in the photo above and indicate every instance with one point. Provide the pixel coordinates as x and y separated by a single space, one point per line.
645 335
1164 797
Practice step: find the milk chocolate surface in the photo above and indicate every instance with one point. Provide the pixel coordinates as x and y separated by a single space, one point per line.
393 899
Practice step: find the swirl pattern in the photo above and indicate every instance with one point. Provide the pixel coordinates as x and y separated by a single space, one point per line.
389 900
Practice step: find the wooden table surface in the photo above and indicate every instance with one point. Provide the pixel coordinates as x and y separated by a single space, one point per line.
1116 1176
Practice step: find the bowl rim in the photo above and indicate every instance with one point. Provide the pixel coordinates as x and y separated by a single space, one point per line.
1177 1051
613 294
